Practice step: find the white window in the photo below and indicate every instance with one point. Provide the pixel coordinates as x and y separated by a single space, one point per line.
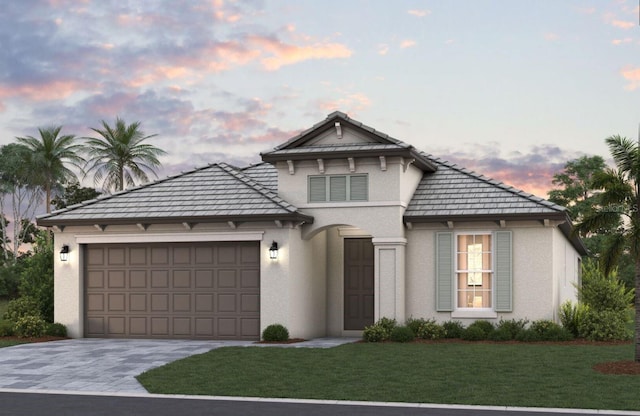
474 271
338 188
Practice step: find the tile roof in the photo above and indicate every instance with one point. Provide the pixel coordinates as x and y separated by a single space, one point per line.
215 192
454 191
263 173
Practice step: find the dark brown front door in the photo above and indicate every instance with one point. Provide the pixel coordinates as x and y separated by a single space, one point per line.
358 283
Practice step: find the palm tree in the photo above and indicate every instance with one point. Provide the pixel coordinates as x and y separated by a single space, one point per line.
50 153
120 156
619 210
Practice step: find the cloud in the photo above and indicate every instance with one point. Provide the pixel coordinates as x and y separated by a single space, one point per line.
282 54
383 49
632 75
550 36
621 41
350 103
531 171
611 19
419 13
407 43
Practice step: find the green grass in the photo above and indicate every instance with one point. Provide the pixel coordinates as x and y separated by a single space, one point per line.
453 373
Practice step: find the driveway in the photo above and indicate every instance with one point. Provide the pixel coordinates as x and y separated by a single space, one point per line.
104 365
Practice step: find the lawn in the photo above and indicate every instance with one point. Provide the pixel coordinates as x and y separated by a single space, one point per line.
455 373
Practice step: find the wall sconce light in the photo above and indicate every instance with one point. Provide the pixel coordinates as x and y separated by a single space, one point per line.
273 251
64 253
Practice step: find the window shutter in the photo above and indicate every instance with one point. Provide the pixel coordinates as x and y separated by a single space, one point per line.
359 188
317 189
444 272
338 188
503 271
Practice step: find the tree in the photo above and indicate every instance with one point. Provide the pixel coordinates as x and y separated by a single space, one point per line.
49 155
618 208
120 156
577 192
18 191
74 194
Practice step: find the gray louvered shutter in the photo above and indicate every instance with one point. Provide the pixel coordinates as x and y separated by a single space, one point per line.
317 189
504 271
338 188
444 272
358 188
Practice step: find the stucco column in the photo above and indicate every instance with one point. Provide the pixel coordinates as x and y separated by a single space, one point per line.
389 278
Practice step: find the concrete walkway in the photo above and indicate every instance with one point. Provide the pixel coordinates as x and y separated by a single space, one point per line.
106 365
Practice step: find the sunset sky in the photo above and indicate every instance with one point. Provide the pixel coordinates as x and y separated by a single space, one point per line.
512 89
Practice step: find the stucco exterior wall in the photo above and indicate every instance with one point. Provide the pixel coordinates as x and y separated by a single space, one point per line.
535 271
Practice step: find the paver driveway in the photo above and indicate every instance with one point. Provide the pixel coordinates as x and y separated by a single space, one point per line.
103 365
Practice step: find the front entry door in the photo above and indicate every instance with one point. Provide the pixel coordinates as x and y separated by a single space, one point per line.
358 283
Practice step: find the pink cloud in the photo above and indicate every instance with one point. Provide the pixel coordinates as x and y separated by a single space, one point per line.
350 103
287 54
633 76
52 90
621 41
419 13
383 49
407 43
610 18
550 36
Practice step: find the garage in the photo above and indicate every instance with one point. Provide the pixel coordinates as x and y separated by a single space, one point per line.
208 290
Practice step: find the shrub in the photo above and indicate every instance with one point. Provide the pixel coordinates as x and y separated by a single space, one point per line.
56 330
275 333
486 327
23 306
6 329
379 331
375 333
430 329
528 335
502 334
36 277
474 333
510 328
550 331
604 325
453 329
387 323
603 292
402 334
10 280
571 315
415 323
30 326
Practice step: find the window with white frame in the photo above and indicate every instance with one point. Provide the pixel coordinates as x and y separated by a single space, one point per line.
474 273
338 188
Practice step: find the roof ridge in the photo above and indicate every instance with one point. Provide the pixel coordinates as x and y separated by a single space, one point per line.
494 182
266 192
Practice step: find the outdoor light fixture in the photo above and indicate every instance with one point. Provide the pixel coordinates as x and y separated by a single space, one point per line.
273 251
64 253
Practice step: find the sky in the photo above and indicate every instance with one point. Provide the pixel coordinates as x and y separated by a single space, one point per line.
512 89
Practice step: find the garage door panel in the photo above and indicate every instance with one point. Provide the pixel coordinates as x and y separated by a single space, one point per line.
116 279
160 279
173 290
116 256
116 302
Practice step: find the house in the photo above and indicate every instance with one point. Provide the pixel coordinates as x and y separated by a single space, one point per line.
360 225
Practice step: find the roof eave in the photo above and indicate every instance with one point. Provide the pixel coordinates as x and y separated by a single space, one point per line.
566 227
410 153
294 216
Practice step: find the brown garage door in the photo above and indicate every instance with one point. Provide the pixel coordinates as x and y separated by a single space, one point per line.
173 290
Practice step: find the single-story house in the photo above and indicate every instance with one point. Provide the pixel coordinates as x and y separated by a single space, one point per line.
337 227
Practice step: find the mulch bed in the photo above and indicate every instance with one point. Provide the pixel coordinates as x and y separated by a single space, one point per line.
32 340
619 367
289 341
